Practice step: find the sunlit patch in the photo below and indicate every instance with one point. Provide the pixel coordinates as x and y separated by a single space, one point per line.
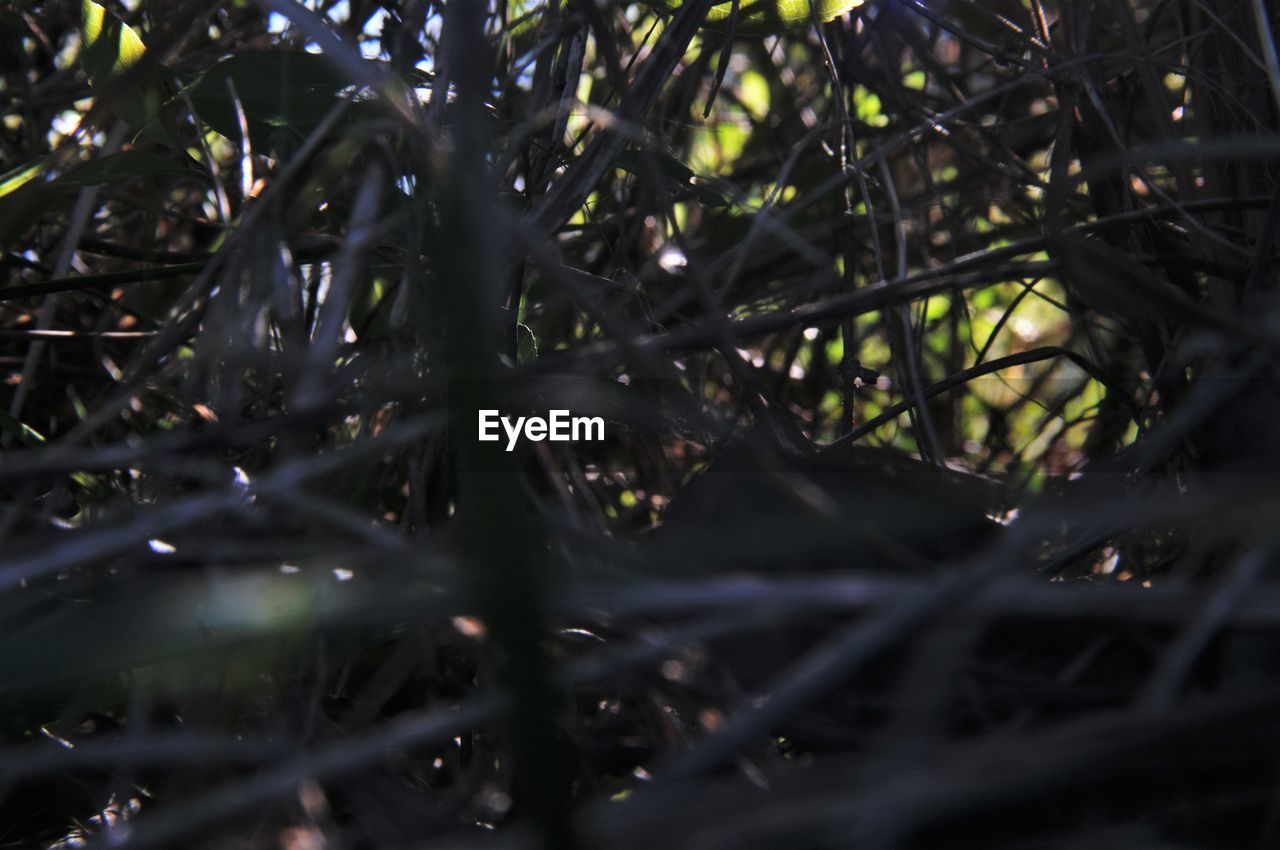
674 670
253 603
1107 563
496 801
711 719
57 739
671 258
1026 330
343 574
580 632
302 838
108 825
1007 518
472 627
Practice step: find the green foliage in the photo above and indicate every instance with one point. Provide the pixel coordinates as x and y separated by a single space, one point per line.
768 17
117 64
110 46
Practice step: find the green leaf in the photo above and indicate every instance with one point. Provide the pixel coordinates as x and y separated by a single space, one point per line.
766 17
12 428
110 45
284 95
15 178
753 91
526 345
116 62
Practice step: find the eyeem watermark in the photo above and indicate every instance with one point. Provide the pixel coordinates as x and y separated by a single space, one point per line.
558 427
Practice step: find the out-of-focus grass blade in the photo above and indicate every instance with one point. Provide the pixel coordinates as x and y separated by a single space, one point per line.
14 429
15 178
87 650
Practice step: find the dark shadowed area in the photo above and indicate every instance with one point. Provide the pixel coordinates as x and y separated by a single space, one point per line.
934 344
